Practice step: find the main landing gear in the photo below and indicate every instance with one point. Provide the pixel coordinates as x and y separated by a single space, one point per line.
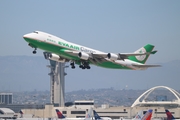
72 65
83 65
34 52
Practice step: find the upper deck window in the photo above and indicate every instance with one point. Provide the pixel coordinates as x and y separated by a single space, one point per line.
35 32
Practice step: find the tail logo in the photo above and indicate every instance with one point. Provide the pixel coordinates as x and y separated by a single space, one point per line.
138 117
141 57
88 116
59 114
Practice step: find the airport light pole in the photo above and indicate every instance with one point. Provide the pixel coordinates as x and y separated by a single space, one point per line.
44 96
34 105
131 99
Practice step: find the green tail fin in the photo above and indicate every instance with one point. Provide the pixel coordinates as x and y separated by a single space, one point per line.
143 58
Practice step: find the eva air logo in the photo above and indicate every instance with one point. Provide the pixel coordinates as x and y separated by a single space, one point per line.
141 57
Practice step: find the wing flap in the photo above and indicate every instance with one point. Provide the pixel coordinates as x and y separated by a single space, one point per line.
100 57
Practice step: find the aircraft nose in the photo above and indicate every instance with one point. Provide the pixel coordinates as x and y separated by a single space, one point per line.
26 36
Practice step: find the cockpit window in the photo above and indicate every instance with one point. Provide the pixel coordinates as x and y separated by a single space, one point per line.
35 32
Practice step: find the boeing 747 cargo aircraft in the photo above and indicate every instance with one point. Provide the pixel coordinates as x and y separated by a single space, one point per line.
63 51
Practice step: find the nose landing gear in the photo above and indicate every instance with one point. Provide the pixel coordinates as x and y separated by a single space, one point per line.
34 52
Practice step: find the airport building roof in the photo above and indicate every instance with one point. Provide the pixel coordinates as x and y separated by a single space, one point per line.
6 111
141 100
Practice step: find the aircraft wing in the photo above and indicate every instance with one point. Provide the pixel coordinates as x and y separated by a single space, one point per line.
120 56
101 56
71 52
93 57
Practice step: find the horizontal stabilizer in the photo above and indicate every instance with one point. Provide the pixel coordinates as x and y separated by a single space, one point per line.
137 54
153 52
145 66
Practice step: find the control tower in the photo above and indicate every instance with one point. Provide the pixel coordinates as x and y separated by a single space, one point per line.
57 81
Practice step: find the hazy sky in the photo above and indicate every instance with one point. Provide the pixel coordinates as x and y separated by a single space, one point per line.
110 26
105 25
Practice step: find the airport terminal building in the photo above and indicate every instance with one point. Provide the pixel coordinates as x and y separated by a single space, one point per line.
80 111
80 107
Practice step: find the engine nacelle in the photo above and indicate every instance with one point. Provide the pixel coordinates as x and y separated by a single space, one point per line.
83 55
112 56
56 58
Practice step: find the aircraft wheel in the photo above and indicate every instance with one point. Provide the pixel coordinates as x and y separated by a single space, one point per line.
73 67
88 67
34 52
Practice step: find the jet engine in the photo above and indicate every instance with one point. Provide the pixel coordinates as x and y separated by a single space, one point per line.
56 58
112 56
83 55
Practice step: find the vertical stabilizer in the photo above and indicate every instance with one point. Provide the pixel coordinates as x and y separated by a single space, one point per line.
59 114
139 115
148 115
169 115
89 114
143 58
21 113
96 116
